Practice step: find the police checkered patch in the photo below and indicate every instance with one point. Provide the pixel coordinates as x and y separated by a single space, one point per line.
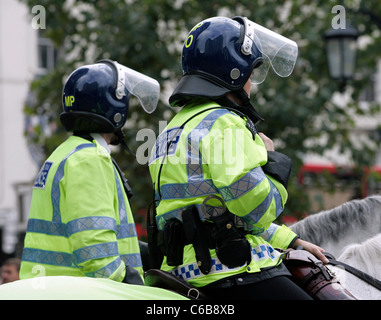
40 181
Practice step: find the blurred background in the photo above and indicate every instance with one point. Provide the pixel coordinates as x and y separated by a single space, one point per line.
326 116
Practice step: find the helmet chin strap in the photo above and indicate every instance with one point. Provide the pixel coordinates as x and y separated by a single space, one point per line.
246 107
120 135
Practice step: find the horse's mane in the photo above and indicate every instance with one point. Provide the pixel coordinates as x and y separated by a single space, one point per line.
363 256
349 218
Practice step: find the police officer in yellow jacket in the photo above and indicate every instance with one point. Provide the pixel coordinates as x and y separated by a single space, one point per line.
80 221
219 184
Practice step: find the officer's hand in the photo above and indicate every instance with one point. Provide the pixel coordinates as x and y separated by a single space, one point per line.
312 248
267 141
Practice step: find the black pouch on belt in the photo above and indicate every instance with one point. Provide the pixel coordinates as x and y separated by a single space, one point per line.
174 240
232 247
193 229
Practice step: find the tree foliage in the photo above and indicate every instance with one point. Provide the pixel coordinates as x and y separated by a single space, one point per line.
147 35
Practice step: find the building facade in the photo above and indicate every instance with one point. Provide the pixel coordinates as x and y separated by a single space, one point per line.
18 67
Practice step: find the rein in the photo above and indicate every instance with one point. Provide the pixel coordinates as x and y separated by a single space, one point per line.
358 273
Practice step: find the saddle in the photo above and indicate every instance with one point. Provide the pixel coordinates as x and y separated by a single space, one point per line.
313 277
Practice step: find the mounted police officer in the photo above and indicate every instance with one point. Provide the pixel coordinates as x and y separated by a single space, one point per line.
219 184
80 221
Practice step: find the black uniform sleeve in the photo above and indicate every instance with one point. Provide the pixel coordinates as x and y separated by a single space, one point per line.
278 166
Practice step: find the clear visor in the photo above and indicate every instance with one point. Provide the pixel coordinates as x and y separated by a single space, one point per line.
146 89
278 52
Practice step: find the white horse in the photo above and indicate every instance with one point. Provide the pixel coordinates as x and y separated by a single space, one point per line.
365 257
81 288
360 255
350 223
352 233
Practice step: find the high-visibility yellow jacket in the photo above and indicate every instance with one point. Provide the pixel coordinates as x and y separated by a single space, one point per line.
216 154
80 221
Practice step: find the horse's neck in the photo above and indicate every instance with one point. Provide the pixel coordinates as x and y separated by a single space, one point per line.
359 288
365 256
352 222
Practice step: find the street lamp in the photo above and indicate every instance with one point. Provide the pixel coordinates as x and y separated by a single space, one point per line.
341 53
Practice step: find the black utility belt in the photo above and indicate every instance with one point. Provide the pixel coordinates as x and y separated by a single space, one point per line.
219 233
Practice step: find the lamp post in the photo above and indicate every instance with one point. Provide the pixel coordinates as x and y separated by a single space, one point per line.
341 53
341 47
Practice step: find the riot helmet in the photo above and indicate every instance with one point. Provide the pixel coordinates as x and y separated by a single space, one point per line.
95 97
221 54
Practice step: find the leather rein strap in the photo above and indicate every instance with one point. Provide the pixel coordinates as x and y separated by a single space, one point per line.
358 273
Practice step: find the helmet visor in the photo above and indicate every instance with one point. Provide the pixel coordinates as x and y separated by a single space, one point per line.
278 52
146 89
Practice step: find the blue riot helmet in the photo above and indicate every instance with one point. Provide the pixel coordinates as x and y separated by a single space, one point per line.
221 54
95 97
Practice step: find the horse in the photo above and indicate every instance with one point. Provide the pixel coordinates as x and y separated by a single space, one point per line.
351 232
365 257
81 288
351 222
359 256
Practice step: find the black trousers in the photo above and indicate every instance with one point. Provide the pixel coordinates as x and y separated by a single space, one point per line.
277 288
